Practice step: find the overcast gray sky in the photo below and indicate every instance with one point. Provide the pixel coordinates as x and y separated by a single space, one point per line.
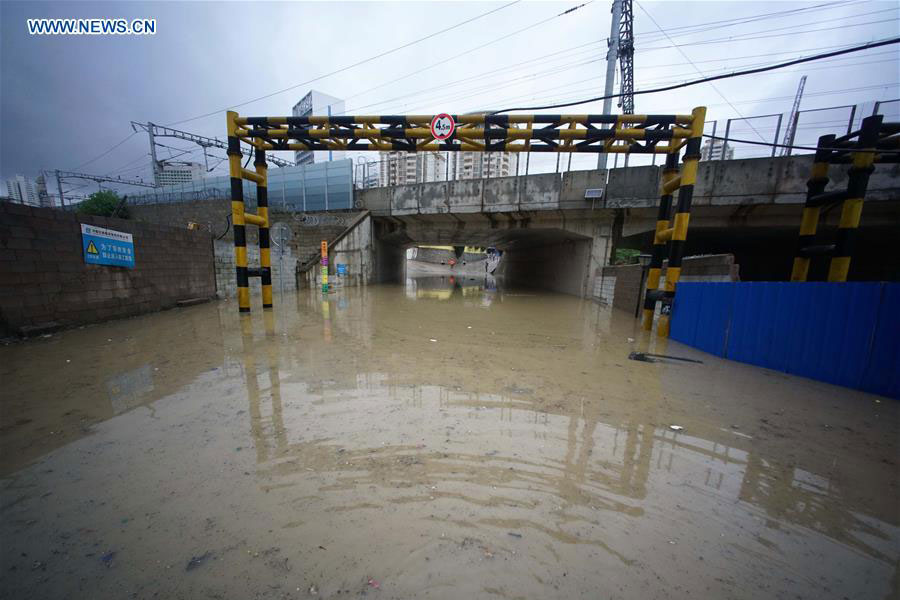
64 100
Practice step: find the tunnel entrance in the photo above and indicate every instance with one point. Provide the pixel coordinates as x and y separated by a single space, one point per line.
452 260
551 259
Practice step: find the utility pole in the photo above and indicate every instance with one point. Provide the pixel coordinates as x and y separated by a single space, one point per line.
792 120
611 56
626 58
153 161
62 201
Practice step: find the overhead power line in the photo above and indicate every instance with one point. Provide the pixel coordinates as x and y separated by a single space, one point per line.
685 84
738 38
507 68
813 148
99 156
697 69
348 67
469 51
657 36
493 84
751 18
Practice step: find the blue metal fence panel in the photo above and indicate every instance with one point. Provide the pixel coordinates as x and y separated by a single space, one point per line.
882 375
841 333
706 311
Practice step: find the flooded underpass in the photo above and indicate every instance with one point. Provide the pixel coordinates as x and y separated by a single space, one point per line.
444 438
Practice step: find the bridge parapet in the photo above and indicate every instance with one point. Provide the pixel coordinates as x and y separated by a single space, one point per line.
753 181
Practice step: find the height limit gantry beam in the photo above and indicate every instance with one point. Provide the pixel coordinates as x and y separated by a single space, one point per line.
628 134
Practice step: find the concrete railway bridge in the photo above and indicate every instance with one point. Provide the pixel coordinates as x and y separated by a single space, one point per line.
555 238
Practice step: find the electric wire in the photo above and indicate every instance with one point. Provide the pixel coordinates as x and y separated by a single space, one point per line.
469 51
812 148
99 156
348 67
878 44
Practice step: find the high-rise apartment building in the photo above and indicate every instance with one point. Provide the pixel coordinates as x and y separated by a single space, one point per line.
475 165
319 104
178 174
712 150
21 189
404 168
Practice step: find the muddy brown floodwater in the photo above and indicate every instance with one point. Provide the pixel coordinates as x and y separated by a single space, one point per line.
431 440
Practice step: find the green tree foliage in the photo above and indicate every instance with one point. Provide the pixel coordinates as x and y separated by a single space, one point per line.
103 204
626 256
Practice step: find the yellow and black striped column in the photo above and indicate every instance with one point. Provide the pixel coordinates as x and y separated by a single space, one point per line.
682 217
237 214
818 179
262 204
861 167
659 242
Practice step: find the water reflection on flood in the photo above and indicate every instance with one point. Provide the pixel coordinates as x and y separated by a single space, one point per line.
445 287
461 441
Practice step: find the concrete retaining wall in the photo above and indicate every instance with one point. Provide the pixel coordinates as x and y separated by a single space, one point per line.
559 268
44 279
307 232
354 248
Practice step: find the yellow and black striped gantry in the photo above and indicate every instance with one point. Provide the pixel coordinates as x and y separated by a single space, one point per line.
481 132
629 134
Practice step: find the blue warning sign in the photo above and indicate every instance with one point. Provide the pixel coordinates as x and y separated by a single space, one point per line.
103 246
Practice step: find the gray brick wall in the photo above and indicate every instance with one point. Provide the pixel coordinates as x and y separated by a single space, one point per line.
43 276
627 278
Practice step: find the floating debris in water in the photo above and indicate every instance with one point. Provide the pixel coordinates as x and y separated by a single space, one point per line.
648 357
107 559
197 561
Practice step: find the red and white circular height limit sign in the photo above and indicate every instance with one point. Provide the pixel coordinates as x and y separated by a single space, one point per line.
442 126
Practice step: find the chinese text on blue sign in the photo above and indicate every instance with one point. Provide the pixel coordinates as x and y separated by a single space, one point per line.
103 246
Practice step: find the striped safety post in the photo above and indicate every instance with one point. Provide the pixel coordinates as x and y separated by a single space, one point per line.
237 214
815 185
670 172
240 218
262 210
679 229
862 165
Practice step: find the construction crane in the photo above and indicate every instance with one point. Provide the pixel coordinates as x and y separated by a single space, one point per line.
60 175
792 120
626 57
154 131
